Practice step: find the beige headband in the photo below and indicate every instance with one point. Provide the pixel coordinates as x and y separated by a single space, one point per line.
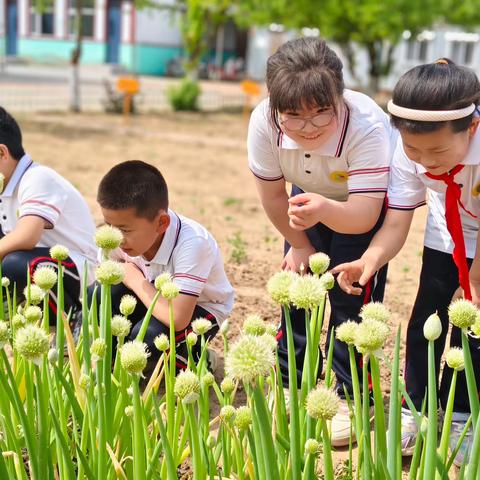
429 115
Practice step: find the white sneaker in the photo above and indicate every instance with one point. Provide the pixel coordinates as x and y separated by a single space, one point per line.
342 426
212 360
409 433
458 424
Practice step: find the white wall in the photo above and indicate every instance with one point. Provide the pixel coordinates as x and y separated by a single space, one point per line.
158 26
262 43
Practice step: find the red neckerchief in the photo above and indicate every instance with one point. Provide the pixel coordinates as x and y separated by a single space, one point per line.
454 225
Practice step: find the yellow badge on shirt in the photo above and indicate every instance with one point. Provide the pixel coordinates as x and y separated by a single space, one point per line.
476 190
339 176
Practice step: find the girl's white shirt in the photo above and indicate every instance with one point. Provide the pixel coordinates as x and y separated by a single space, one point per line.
354 160
410 188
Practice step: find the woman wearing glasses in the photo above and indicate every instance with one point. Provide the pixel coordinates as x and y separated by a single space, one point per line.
334 146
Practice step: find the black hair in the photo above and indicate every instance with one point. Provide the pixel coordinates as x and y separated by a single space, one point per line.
304 72
442 85
11 135
134 184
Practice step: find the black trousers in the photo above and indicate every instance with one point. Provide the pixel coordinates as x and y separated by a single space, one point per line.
438 283
155 328
15 265
341 248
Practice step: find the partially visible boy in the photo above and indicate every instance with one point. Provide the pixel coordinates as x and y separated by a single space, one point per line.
133 197
39 209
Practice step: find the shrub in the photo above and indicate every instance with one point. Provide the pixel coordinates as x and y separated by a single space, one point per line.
184 96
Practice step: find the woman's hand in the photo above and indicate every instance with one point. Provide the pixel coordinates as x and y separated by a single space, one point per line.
303 210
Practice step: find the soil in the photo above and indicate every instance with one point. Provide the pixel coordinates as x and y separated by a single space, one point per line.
203 158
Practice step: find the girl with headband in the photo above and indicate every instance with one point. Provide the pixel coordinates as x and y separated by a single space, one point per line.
334 146
434 108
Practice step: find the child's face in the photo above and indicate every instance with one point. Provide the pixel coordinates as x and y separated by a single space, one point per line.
438 151
309 127
141 236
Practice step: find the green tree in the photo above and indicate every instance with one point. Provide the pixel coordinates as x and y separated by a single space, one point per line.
375 26
198 20
465 13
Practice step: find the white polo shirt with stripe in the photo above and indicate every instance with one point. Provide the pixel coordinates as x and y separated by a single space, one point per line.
354 160
38 190
408 190
191 255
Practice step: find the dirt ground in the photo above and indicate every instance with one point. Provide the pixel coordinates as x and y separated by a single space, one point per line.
203 158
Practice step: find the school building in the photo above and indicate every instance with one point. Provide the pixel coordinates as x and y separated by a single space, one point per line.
145 41
443 41
148 40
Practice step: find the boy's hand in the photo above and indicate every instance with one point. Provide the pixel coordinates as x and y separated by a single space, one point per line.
303 210
296 256
133 276
349 273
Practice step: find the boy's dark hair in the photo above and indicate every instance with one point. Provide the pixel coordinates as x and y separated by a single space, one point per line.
303 72
11 135
134 184
436 86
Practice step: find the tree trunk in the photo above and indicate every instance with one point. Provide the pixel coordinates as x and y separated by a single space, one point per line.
75 103
219 48
349 53
375 60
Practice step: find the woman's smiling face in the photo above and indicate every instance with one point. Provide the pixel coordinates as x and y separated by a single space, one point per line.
310 127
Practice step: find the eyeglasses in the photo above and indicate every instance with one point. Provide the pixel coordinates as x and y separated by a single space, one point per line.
296 124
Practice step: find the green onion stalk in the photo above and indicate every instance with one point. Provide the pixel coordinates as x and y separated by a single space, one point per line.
87 365
474 454
9 385
357 396
60 334
447 419
139 457
431 441
367 449
379 412
295 452
327 453
470 376
262 419
394 465
106 363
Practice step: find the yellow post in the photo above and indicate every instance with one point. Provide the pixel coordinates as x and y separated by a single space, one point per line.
129 86
251 89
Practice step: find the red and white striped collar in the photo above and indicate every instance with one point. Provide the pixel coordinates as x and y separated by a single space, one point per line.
334 145
23 165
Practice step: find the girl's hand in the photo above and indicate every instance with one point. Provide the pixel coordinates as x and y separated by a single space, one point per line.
303 210
296 256
475 288
349 273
